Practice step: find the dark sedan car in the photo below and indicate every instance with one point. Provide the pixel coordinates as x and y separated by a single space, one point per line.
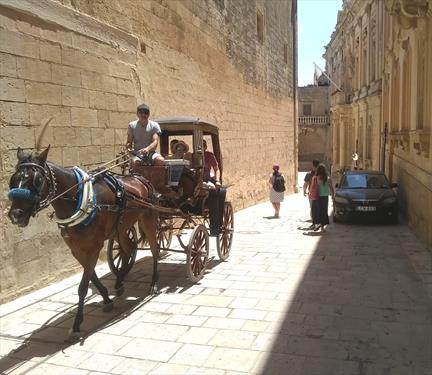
366 194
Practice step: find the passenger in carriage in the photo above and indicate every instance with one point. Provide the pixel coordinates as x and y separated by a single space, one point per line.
211 168
172 145
143 138
181 151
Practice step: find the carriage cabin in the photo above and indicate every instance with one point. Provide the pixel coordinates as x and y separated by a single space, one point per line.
190 131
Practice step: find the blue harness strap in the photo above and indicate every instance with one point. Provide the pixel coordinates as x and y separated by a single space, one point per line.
80 189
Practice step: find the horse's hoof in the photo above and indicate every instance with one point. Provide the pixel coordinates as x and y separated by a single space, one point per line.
120 291
74 336
107 307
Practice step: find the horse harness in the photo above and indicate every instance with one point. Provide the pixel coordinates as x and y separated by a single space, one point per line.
43 175
86 206
121 190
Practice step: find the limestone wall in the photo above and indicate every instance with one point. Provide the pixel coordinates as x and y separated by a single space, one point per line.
414 196
315 138
86 65
314 143
317 97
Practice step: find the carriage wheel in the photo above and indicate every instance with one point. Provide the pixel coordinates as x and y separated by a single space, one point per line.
224 240
206 220
197 253
116 258
164 233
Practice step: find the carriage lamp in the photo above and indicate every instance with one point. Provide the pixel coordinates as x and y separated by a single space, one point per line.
198 158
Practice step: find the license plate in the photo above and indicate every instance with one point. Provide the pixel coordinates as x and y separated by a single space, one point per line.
365 208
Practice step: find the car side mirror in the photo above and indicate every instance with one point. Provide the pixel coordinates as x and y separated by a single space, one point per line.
394 185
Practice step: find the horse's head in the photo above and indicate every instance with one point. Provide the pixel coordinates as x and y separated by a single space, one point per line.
28 186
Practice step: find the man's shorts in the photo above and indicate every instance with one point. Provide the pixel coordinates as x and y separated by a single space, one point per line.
151 156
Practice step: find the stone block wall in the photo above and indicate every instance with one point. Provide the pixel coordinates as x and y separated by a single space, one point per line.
318 97
415 200
314 139
86 65
314 143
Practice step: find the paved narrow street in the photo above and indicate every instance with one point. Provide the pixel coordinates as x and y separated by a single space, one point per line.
354 300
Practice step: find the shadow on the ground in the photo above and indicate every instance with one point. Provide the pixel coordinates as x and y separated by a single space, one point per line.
359 308
52 336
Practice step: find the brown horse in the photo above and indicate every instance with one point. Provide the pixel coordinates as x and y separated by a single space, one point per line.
36 184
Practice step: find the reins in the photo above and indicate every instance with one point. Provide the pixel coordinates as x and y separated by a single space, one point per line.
91 176
52 183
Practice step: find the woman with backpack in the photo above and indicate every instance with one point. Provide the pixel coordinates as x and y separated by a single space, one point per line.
319 191
277 189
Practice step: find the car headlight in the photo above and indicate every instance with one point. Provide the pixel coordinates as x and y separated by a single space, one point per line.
389 200
341 200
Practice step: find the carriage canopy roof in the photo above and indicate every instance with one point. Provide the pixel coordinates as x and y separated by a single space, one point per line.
186 124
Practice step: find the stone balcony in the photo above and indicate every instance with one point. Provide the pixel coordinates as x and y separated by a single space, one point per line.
313 121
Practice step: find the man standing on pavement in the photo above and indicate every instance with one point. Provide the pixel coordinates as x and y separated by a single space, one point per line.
307 182
143 137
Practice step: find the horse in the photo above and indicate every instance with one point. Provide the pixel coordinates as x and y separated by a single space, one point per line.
87 213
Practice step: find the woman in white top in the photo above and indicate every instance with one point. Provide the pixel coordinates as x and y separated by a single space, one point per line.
276 197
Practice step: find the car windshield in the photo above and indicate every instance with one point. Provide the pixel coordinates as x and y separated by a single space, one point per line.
364 181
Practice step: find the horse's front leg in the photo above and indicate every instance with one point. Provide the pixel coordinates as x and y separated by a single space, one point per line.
88 262
82 292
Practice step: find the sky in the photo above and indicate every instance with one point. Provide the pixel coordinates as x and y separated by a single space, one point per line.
316 22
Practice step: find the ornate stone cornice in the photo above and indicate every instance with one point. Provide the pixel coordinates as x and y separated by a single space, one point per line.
408 11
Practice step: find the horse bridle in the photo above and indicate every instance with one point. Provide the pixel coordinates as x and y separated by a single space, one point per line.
43 175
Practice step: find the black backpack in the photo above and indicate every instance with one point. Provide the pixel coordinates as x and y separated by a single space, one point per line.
278 183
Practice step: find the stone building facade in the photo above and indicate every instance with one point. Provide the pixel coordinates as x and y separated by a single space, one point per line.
354 63
379 57
407 108
86 65
314 136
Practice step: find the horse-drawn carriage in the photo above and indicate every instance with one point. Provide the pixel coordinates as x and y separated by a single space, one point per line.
192 210
127 208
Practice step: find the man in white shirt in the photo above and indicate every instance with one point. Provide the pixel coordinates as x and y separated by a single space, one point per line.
143 137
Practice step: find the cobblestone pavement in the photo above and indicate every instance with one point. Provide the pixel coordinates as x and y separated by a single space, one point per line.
354 300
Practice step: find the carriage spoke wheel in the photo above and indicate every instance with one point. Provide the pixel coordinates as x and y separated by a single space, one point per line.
225 238
164 233
116 258
197 253
206 221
